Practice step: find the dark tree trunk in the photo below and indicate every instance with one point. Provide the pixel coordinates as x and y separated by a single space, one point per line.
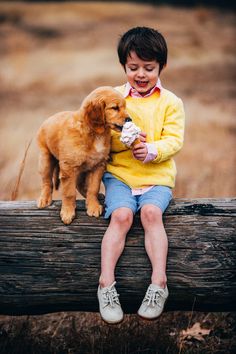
46 266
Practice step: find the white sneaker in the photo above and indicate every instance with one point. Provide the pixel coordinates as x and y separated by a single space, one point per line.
153 302
109 304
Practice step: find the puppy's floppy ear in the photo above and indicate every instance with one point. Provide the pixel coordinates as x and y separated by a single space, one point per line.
95 115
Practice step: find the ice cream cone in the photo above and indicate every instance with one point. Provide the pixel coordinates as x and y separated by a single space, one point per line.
135 142
130 134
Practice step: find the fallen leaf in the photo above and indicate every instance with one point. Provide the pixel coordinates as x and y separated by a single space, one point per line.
195 332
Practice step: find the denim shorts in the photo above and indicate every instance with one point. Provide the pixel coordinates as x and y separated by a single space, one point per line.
119 194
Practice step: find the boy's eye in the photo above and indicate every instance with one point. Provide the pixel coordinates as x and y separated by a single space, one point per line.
135 69
116 108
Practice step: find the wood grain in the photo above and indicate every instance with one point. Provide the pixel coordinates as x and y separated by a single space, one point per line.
46 266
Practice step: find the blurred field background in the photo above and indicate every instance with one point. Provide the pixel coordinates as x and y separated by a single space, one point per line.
52 55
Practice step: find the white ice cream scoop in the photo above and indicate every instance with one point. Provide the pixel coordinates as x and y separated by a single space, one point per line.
130 134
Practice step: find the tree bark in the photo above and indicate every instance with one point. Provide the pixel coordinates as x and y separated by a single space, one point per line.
46 266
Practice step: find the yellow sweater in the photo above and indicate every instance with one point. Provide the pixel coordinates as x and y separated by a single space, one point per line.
161 117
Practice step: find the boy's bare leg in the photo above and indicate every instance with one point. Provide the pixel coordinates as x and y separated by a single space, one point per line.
156 242
113 244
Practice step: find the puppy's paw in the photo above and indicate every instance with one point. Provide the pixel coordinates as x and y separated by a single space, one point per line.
44 201
94 209
67 215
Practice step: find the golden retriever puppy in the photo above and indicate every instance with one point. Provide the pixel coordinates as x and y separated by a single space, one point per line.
74 148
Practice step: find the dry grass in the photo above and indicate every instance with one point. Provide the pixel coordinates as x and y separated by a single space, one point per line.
21 170
51 57
86 333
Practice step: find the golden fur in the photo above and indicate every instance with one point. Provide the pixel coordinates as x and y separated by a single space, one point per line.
75 146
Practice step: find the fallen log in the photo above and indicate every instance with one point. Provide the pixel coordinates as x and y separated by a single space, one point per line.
46 266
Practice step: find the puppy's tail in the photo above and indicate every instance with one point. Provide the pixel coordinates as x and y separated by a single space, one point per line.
56 179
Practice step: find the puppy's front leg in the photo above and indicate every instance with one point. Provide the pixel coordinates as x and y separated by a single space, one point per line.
94 208
68 183
46 167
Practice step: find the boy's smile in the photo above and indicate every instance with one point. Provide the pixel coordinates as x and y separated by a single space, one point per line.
141 74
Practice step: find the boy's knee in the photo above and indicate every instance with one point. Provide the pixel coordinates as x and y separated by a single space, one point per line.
122 217
151 214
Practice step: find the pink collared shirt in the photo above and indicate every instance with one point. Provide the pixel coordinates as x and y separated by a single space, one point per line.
129 90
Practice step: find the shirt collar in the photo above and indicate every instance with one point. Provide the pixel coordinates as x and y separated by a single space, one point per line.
130 91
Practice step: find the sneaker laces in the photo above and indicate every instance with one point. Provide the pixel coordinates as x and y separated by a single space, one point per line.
110 296
152 297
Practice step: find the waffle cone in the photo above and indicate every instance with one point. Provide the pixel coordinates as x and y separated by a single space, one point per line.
135 142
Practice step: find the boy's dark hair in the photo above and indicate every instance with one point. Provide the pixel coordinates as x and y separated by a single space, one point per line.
147 43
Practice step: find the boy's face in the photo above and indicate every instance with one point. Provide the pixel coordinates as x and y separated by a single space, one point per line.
142 75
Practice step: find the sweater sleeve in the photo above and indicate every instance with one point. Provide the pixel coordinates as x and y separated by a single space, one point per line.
172 135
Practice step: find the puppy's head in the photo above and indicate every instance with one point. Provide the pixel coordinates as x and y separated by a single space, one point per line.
105 107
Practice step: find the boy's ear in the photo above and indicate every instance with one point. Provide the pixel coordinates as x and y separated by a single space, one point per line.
164 66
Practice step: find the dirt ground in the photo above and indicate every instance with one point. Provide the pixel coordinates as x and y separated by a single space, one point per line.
52 56
86 333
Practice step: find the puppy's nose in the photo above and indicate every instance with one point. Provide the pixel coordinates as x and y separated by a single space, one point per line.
128 119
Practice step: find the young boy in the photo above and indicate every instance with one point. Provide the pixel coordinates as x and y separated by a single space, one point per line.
141 178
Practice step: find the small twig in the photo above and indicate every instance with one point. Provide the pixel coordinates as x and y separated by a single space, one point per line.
191 312
15 191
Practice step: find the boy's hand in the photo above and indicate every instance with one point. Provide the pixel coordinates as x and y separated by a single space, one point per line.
140 150
143 137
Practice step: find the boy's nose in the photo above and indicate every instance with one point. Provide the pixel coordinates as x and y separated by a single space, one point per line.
140 72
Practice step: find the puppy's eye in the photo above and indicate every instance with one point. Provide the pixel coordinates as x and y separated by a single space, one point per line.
115 108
